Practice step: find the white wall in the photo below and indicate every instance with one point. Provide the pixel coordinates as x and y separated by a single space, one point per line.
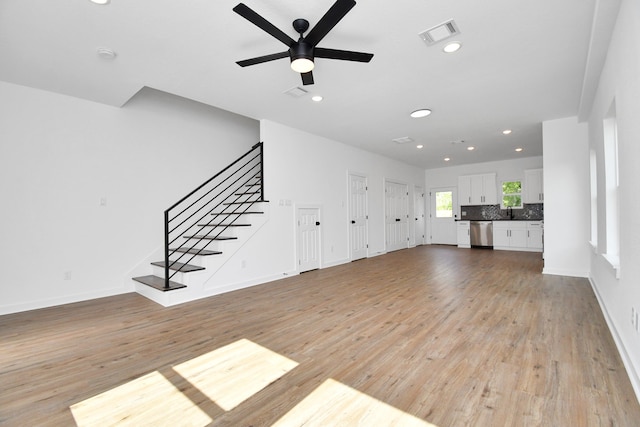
306 169
620 80
60 155
566 197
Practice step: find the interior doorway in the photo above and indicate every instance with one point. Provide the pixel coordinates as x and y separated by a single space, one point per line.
358 217
396 216
419 215
308 237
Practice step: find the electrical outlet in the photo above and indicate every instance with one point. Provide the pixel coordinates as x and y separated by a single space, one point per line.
67 275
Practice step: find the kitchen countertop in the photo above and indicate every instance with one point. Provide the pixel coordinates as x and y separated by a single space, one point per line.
503 219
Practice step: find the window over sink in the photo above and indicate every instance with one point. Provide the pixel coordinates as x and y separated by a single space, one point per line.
511 195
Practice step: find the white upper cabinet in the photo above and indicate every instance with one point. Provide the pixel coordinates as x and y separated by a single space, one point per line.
533 186
477 190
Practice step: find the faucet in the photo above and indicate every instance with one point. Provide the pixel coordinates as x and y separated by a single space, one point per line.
510 212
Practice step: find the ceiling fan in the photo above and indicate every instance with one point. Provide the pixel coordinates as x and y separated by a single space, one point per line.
303 52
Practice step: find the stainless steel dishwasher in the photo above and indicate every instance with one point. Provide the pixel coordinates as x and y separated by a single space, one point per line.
482 234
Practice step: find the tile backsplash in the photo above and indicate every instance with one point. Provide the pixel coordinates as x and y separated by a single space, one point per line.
533 211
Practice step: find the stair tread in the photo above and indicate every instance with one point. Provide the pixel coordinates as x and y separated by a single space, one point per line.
158 283
194 251
247 193
179 266
246 202
205 237
224 225
238 213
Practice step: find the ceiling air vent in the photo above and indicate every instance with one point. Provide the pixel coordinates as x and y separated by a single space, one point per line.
296 92
403 140
440 32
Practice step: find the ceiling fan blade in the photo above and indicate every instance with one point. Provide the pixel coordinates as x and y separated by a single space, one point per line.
261 59
346 55
339 9
307 78
253 17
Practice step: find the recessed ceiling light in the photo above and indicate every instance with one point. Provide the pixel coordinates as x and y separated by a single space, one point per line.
506 131
452 47
471 148
519 149
316 98
420 146
100 1
106 53
424 112
446 159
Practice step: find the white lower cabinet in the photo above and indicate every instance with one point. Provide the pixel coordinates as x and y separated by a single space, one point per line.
464 234
517 235
535 231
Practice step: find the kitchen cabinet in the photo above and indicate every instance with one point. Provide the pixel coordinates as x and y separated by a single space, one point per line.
517 235
534 235
464 234
533 186
477 190
509 235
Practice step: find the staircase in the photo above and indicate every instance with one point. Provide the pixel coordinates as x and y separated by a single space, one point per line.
198 225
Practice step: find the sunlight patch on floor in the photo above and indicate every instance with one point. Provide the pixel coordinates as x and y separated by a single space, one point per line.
233 373
148 400
336 404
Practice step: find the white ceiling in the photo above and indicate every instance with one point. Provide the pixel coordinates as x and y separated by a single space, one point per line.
522 62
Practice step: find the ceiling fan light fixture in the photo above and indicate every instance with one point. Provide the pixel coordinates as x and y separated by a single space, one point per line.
302 65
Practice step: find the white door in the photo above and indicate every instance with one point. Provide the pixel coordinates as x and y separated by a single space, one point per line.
396 216
418 210
308 239
443 225
358 216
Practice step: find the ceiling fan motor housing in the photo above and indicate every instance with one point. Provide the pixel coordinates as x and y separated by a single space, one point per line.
300 50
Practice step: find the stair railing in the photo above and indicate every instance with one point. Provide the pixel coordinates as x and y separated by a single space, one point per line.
213 207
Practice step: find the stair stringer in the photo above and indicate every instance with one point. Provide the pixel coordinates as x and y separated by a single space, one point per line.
201 284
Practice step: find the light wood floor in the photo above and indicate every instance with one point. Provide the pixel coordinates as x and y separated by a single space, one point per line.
451 336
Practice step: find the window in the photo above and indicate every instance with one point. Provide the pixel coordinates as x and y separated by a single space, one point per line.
594 199
444 204
612 210
511 194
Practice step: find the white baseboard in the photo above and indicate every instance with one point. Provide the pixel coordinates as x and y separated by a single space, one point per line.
561 272
626 360
336 263
67 299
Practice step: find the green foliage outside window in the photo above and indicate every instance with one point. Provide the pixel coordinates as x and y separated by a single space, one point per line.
444 204
511 194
